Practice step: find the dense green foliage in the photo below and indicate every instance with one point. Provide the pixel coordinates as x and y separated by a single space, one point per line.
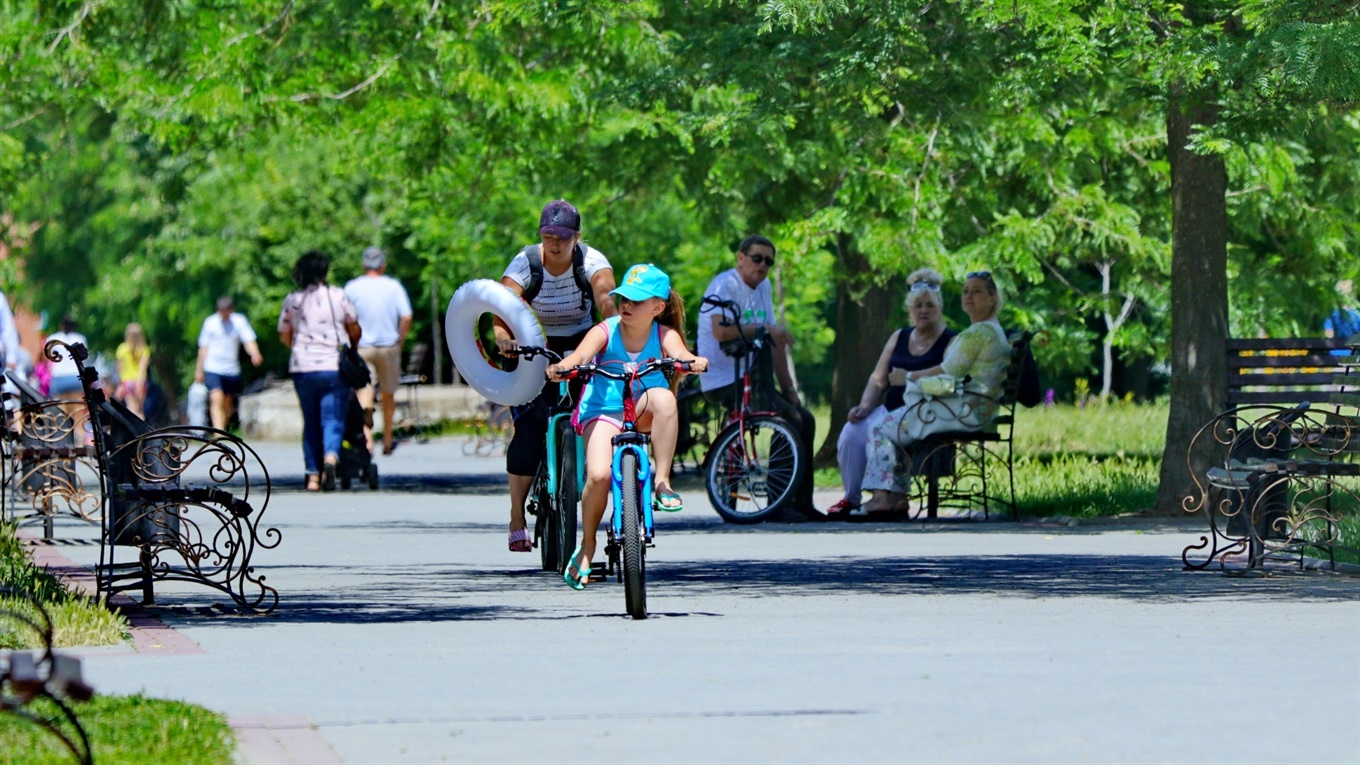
153 155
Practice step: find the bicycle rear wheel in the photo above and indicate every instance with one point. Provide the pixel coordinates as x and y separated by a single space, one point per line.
545 520
753 468
634 557
564 504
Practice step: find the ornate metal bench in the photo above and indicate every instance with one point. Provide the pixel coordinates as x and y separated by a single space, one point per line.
188 499
1281 470
950 469
49 471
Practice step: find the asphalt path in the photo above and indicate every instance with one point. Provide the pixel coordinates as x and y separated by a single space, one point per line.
406 632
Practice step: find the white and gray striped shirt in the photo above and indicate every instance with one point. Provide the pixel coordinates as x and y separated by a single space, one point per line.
558 304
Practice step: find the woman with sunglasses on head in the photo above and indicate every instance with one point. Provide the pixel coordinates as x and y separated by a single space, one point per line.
918 346
975 361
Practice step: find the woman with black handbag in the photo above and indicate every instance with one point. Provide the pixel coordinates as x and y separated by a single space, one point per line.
321 327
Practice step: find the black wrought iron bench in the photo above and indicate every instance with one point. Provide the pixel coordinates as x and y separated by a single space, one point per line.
49 471
950 469
1282 470
188 499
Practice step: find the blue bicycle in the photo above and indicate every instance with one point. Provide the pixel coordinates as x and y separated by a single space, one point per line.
555 493
630 529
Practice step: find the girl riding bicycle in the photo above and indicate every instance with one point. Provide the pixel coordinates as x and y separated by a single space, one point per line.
650 325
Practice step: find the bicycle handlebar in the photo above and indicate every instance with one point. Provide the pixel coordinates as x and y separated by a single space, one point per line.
584 371
528 352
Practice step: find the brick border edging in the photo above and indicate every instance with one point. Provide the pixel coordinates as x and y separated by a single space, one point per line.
150 635
281 739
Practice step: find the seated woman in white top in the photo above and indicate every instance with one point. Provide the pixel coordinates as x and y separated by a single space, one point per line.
981 354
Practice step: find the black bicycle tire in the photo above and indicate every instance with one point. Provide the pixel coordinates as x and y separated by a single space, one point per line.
634 571
544 521
568 496
716 466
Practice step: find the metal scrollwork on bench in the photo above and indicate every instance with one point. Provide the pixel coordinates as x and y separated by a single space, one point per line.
51 676
205 534
1282 477
189 499
49 467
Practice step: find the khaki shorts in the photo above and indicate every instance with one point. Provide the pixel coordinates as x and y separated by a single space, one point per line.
384 361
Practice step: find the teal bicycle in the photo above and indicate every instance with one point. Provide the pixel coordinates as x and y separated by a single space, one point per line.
630 529
555 493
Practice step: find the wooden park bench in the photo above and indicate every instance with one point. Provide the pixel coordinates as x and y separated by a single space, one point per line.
1283 467
188 499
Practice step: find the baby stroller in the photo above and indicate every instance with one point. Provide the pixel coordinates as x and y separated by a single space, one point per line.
356 461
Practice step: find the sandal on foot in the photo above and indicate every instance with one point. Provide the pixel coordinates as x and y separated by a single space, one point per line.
520 541
328 475
664 496
313 482
841 509
578 580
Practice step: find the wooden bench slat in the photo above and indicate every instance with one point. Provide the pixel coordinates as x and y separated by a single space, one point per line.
1344 399
1323 362
1236 398
1286 343
1288 378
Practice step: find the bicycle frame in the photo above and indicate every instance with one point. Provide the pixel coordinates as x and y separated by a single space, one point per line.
637 443
564 394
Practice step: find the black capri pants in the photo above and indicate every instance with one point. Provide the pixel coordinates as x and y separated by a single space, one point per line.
528 446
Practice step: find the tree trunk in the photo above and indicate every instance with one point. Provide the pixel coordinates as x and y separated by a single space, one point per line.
862 312
1199 295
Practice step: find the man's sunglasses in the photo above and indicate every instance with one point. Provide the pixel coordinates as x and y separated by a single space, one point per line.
761 260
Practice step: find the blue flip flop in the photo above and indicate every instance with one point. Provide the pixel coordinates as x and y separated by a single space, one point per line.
668 495
577 582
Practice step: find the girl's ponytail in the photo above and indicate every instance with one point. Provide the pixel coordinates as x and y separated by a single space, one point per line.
674 315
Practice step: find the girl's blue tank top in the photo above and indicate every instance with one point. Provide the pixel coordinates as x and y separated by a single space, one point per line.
604 396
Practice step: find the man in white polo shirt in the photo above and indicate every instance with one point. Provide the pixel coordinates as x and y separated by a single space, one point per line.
384 311
219 358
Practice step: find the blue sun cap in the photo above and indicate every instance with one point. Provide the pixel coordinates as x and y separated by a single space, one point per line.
644 281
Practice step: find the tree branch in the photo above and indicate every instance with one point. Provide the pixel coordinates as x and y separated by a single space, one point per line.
69 30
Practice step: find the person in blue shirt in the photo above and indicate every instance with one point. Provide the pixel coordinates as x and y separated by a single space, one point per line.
1344 322
650 324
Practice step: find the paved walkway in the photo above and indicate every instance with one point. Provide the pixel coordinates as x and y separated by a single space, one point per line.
407 633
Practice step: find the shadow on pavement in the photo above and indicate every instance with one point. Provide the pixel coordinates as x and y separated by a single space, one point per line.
429 593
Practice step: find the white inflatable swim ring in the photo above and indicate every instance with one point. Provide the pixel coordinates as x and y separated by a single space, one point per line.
460 329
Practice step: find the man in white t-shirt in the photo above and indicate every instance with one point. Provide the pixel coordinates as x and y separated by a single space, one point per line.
220 341
384 311
748 286
567 312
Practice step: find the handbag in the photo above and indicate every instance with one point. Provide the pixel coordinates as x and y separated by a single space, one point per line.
352 367
938 385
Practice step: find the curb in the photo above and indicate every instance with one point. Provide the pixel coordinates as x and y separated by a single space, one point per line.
280 740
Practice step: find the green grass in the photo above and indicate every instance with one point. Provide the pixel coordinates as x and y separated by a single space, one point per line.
76 620
128 730
122 729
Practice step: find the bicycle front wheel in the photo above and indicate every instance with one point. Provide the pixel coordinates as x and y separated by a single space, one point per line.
564 504
634 557
753 468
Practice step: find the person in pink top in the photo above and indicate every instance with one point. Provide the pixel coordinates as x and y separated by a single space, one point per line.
311 324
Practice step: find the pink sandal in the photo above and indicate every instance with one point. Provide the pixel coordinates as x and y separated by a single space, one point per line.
520 541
